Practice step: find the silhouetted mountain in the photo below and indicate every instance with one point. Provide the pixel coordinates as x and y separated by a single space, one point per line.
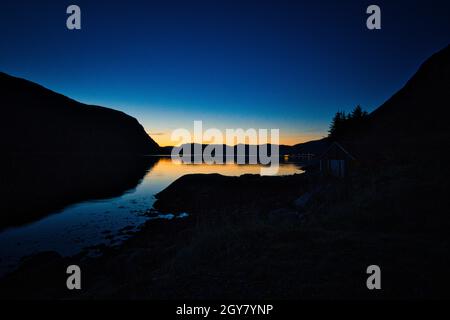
315 147
35 119
311 147
419 108
412 123
167 150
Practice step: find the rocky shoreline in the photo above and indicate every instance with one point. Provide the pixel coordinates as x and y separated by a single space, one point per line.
253 237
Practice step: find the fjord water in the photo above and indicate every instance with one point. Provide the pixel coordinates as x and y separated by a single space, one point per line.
107 217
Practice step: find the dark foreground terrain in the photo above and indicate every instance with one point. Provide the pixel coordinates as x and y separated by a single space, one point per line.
293 237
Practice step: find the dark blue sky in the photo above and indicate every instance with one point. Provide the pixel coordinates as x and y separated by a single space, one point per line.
263 64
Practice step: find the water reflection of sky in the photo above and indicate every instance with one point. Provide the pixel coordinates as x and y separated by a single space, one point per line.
107 221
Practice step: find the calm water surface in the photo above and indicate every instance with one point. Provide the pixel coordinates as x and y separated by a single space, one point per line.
106 221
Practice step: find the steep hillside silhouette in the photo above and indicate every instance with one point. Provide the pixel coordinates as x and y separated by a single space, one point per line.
419 108
35 119
412 123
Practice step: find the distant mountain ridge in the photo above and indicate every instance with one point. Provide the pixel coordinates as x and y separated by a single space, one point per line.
38 120
311 147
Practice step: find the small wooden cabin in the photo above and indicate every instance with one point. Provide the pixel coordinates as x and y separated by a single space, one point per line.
336 161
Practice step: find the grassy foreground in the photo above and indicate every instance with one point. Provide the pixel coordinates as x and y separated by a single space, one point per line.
252 237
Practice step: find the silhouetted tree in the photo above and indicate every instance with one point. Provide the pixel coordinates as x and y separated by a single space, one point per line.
351 123
337 124
357 113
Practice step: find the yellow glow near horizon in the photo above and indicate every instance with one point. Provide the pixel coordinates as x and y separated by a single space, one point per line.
165 167
286 139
